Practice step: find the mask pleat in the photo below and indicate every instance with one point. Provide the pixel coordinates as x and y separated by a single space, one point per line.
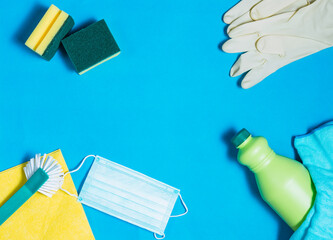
153 206
136 186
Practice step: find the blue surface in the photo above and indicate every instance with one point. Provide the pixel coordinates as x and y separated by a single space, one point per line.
165 106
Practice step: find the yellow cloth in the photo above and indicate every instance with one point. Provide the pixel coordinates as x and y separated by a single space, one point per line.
60 217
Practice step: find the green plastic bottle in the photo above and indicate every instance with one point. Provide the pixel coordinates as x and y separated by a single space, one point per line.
283 183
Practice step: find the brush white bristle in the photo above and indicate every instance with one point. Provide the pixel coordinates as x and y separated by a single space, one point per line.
51 167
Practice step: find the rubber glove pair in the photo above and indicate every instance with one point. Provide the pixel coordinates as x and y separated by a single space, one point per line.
274 33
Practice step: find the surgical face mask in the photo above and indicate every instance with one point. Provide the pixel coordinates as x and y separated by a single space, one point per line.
128 195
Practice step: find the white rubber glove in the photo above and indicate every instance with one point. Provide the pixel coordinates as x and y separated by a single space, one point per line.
277 41
250 10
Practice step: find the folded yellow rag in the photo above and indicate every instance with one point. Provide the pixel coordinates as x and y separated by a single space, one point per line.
42 218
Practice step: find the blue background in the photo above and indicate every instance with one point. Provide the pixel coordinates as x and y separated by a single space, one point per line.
165 106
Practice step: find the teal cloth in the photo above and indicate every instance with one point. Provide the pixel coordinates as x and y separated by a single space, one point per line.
316 151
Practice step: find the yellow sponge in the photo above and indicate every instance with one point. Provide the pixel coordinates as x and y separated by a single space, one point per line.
51 29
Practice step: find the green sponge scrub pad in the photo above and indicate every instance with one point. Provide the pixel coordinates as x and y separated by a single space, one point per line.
51 29
90 46
54 44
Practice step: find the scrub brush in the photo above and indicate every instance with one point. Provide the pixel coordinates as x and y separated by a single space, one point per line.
44 174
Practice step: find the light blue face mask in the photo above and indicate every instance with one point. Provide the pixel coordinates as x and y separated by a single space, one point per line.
128 195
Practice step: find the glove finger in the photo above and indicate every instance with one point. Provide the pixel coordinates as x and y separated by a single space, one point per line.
275 24
245 18
263 10
240 44
269 8
238 10
246 62
289 46
279 51
256 75
270 45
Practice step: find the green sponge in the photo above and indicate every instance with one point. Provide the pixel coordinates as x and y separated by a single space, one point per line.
90 46
46 37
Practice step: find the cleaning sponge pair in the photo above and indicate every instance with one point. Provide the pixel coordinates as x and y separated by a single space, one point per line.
86 48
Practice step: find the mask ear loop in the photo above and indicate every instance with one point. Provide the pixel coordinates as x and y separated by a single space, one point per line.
73 171
179 215
155 236
184 205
